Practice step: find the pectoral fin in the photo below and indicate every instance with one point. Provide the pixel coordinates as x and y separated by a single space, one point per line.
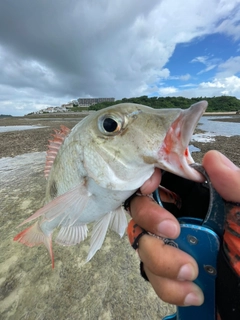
71 203
71 235
65 209
98 235
116 220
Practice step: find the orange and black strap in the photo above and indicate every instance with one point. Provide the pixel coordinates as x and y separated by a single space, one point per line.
228 279
135 233
231 238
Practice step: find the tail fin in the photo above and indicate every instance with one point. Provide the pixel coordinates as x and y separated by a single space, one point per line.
34 236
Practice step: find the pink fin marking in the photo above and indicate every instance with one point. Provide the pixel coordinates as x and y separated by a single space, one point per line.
54 146
33 236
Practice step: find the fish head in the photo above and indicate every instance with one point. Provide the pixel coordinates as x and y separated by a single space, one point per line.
124 143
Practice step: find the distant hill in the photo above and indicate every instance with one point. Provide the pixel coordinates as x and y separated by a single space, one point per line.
5 115
215 104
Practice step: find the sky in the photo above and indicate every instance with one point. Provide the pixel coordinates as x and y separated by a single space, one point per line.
52 52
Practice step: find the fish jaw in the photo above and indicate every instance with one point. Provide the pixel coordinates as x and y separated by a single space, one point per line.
174 155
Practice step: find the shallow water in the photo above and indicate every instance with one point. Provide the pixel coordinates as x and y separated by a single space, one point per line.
19 128
192 148
203 137
215 128
219 128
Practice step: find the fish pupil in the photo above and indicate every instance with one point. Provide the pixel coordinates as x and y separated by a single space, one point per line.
110 125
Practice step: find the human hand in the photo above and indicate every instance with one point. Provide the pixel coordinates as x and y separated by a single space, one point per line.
170 270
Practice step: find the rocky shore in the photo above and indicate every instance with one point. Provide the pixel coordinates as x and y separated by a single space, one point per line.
36 140
109 286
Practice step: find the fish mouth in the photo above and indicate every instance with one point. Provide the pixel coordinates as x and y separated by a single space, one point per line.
174 154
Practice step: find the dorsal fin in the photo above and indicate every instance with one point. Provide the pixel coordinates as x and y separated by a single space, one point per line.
54 146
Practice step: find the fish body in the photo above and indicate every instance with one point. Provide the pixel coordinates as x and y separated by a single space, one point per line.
92 169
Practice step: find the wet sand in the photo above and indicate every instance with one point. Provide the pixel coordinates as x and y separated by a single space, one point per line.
108 287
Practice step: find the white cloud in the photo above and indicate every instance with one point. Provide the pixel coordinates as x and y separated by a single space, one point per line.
230 25
225 86
167 91
188 85
209 68
215 84
229 67
217 87
201 59
164 73
208 61
105 48
183 77
225 82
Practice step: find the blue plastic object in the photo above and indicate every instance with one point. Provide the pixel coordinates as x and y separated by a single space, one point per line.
203 245
201 238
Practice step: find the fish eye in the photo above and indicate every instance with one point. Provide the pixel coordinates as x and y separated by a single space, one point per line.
110 124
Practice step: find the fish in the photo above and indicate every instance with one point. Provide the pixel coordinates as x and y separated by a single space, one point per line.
93 168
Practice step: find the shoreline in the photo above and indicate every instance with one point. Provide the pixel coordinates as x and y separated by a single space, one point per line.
220 113
15 143
85 113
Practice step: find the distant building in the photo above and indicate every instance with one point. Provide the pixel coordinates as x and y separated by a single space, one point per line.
68 105
91 101
51 110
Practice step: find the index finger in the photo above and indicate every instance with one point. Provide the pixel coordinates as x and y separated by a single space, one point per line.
153 218
224 175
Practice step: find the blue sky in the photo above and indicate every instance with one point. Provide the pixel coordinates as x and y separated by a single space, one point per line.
56 51
199 62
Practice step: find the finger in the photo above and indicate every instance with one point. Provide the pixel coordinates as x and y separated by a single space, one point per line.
224 175
158 258
181 293
152 183
153 218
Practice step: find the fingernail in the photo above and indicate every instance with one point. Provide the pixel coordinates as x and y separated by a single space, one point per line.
186 272
168 229
194 299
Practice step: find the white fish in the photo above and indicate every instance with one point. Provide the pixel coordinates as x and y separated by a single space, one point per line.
103 160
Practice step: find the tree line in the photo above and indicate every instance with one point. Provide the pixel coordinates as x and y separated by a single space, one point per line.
222 103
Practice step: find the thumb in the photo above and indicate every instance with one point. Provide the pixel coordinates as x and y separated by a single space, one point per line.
224 175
